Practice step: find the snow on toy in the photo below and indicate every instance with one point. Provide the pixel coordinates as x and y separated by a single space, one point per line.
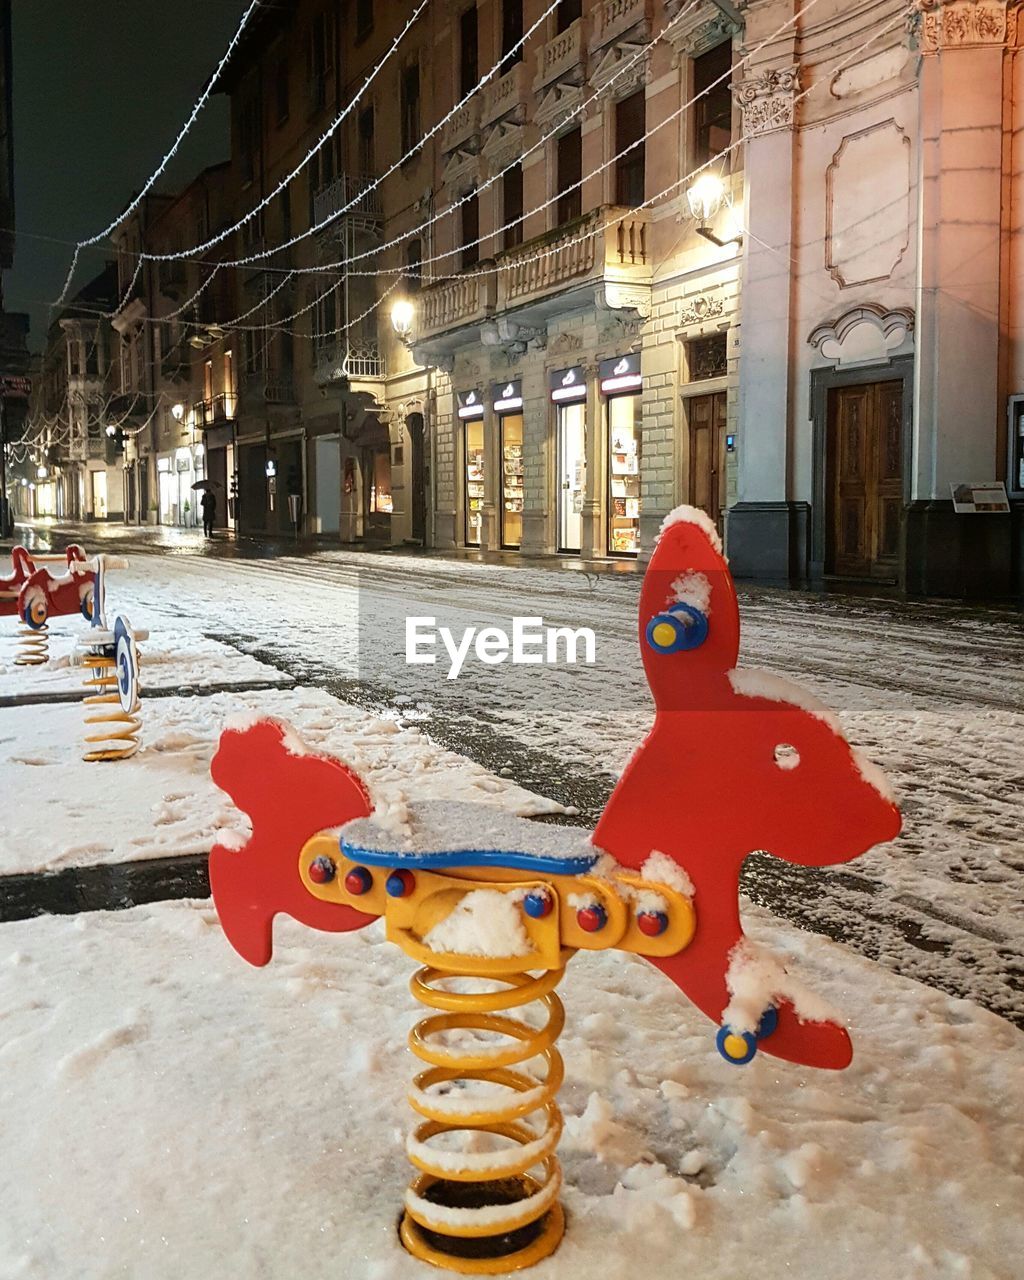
34 595
737 761
112 657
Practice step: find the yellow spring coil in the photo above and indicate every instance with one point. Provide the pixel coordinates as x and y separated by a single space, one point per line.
123 740
482 1212
33 646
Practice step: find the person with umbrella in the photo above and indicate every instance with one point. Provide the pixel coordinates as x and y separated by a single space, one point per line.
208 503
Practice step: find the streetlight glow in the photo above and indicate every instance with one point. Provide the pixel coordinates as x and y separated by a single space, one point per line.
402 314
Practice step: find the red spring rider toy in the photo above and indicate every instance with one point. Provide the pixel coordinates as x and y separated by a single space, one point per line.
736 761
35 594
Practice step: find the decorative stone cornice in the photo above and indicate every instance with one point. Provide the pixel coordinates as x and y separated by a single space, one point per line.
612 296
699 30
609 68
767 100
504 142
953 24
701 309
559 105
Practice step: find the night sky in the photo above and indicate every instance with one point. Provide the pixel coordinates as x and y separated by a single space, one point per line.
101 88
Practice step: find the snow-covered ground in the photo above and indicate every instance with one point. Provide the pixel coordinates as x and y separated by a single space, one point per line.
162 803
171 1112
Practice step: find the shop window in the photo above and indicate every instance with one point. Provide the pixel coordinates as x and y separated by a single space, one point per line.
706 357
568 12
469 56
624 474
572 474
471 231
512 205
511 425
713 106
630 117
410 108
569 163
511 34
381 502
474 481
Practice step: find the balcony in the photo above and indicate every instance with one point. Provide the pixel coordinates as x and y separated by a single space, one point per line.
505 96
351 195
462 127
562 58
614 18
606 247
450 304
214 410
346 361
262 391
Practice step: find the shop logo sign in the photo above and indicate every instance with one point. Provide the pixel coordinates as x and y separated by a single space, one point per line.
530 643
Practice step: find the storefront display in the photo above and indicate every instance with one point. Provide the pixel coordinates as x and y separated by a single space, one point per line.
569 393
508 405
621 383
471 412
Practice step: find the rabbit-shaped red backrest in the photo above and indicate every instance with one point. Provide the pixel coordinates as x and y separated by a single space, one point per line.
737 761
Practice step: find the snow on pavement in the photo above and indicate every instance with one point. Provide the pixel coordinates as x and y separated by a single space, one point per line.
162 803
173 1112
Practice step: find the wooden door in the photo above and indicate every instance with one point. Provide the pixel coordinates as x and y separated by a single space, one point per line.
865 480
706 417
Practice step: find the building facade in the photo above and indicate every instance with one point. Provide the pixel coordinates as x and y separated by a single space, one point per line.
758 256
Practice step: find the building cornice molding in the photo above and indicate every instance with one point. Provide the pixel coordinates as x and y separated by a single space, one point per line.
960 24
699 31
767 100
609 67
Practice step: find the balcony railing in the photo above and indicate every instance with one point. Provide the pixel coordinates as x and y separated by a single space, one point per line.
562 57
504 96
352 193
464 125
609 244
338 362
216 409
447 304
261 389
615 17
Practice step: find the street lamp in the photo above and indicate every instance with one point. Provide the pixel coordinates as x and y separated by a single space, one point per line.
177 412
402 315
705 199
40 473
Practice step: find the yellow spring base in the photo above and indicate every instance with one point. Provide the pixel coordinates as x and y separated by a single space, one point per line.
122 738
33 646
482 1211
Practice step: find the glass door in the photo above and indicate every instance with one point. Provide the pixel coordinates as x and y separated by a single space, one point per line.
572 474
624 475
474 481
511 480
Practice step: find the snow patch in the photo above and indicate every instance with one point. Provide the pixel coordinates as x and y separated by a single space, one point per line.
756 979
749 682
663 869
486 922
693 515
694 589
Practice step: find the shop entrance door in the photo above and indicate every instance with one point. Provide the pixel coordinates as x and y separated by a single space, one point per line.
864 480
572 474
511 480
706 419
99 495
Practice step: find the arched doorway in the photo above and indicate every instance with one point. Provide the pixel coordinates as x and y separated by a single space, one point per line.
417 481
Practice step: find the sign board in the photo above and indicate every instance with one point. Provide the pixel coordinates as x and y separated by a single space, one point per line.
568 384
985 497
507 397
620 373
471 404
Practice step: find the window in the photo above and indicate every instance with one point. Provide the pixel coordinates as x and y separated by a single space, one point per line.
365 129
320 58
249 138
410 108
471 231
511 33
568 12
707 357
713 104
364 18
512 205
281 91
414 265
569 172
469 72
629 168
285 202
325 321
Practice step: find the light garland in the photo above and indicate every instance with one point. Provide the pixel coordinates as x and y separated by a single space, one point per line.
156 174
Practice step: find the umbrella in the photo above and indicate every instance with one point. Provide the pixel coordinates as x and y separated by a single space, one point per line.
207 484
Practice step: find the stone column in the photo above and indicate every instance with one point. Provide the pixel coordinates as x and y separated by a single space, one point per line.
766 532
593 537
960 402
